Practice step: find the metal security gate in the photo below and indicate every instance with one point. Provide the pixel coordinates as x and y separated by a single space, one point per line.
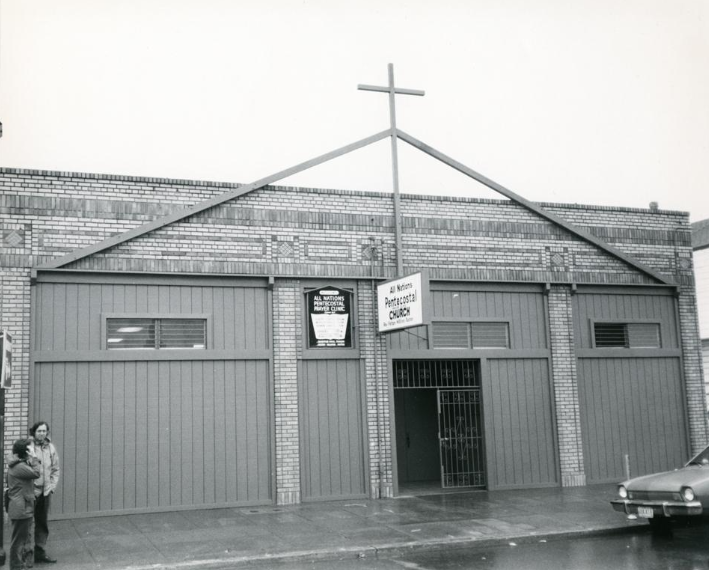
451 433
460 436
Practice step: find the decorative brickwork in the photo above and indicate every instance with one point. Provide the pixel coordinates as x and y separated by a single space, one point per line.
324 234
563 358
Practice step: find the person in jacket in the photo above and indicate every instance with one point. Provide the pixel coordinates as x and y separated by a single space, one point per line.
22 470
43 449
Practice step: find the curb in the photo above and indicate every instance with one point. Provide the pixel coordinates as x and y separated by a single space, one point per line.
389 550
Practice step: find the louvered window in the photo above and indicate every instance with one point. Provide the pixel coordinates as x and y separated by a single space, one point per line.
467 335
491 335
644 335
141 333
627 335
451 335
611 335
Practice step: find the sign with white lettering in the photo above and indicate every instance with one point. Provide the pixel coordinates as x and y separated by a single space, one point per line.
329 318
402 302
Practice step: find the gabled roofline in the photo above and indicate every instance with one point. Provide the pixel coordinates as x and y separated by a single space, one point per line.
583 234
240 191
211 203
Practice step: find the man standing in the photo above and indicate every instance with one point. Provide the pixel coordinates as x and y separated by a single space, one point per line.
44 486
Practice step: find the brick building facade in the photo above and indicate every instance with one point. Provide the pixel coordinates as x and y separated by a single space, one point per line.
554 396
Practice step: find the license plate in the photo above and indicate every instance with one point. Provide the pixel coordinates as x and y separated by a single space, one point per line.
645 512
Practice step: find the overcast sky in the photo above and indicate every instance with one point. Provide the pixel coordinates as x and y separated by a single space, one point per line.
590 101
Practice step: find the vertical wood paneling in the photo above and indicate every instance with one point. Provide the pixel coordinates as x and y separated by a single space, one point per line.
631 406
141 435
518 423
332 446
68 316
233 371
93 449
624 308
118 435
67 432
415 338
130 434
105 424
197 423
525 312
210 447
263 426
71 331
220 435
149 434
83 432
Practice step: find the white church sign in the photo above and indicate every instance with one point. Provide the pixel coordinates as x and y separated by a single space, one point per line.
402 302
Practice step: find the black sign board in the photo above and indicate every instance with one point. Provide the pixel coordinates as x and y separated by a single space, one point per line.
329 318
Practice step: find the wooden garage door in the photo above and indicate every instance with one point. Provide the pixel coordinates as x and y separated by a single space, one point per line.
152 435
519 429
149 429
631 406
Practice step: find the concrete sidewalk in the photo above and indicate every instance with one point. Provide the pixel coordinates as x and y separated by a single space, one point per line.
359 528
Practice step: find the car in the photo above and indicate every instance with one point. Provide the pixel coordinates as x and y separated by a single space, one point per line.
661 497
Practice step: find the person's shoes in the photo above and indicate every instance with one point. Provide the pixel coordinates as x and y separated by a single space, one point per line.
41 557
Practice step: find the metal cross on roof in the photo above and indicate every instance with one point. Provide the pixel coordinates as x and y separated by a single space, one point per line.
392 90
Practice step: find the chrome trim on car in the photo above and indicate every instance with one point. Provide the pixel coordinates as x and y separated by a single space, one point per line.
668 508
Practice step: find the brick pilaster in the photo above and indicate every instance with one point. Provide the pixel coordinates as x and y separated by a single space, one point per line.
695 389
286 340
373 350
565 382
15 317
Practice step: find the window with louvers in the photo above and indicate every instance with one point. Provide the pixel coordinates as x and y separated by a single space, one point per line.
627 335
611 335
467 335
491 335
145 333
451 335
644 335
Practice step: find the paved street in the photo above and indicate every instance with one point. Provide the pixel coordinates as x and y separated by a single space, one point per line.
687 549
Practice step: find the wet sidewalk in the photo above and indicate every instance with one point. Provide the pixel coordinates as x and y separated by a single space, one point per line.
359 528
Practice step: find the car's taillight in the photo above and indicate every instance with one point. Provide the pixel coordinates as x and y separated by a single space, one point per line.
623 492
687 494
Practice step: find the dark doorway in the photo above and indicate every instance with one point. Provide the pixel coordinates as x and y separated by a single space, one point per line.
417 435
439 428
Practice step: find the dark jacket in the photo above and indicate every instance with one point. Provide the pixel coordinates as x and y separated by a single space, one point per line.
20 485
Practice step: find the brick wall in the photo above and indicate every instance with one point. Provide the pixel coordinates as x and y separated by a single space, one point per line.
373 347
15 317
566 399
292 233
694 380
287 335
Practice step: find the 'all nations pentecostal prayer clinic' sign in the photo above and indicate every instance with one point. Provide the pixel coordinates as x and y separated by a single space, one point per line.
402 302
329 322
